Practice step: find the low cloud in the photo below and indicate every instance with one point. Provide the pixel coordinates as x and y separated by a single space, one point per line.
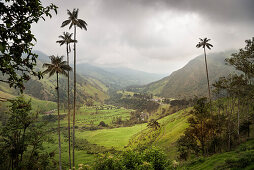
154 36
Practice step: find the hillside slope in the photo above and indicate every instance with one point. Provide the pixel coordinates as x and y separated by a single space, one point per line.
118 77
191 79
44 89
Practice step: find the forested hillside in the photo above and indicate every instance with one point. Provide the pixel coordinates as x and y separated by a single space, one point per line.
44 89
191 79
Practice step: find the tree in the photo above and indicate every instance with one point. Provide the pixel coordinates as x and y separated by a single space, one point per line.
17 61
66 38
57 66
243 60
153 124
74 21
204 44
22 137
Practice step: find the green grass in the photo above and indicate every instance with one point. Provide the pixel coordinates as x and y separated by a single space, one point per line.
173 126
37 104
116 137
41 105
80 155
241 153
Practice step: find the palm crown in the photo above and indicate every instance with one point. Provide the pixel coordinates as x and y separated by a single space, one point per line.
66 38
204 43
73 20
57 65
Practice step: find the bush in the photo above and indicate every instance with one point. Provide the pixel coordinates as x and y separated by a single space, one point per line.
145 166
131 159
108 162
103 124
156 157
149 159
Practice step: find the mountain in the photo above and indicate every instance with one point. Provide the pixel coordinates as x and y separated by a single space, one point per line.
118 77
44 89
191 79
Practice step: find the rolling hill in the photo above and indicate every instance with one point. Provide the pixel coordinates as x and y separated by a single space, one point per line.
44 89
191 79
118 77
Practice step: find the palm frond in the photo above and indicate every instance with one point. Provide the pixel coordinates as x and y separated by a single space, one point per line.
46 71
52 72
69 12
46 65
71 25
66 22
82 24
75 12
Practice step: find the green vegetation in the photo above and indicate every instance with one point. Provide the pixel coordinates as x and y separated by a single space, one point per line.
17 39
240 158
139 127
190 80
57 66
21 138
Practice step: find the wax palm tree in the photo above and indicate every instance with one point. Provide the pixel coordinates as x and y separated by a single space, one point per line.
66 38
204 44
74 21
57 66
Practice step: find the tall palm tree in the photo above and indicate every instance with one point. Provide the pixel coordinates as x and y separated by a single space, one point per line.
204 44
74 21
57 66
66 38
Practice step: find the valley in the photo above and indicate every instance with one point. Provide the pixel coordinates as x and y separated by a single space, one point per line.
112 121
126 85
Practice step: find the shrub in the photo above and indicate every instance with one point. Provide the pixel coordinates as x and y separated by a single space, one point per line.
156 157
103 124
131 159
108 162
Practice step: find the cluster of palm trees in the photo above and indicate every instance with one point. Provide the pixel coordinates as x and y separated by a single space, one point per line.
59 66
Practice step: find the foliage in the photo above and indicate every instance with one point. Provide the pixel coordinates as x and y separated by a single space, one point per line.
156 157
22 138
243 59
153 124
152 158
57 65
137 102
103 124
204 133
17 39
239 158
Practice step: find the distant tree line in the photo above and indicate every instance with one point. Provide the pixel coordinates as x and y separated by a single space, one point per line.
137 102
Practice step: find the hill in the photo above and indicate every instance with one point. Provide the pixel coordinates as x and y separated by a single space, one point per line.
118 77
191 79
44 89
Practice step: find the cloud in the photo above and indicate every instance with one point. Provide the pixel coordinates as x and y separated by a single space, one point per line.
153 36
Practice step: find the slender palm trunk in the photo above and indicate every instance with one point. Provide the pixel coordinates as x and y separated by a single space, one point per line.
59 137
238 117
69 110
207 79
74 101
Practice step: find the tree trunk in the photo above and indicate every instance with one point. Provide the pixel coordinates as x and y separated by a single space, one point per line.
59 137
207 79
69 111
238 117
74 101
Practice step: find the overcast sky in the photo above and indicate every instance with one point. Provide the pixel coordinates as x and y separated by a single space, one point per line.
151 35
